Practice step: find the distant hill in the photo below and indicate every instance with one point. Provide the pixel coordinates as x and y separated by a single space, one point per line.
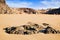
5 9
27 10
53 11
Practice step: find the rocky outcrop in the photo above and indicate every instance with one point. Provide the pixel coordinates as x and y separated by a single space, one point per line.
23 29
31 29
27 10
49 30
53 11
4 9
2 1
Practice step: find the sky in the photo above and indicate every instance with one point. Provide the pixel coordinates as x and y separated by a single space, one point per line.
35 4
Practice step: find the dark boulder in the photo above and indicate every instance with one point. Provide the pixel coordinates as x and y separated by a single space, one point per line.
48 30
10 30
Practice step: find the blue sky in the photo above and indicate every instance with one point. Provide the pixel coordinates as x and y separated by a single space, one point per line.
36 4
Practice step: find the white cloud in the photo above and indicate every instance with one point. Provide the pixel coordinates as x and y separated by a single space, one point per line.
20 4
43 4
50 4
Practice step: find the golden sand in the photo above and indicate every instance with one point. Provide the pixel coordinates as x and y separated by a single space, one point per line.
20 19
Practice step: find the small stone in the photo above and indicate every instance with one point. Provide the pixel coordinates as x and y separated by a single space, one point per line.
45 24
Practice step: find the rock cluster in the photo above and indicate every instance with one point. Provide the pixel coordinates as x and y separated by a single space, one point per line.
31 29
49 30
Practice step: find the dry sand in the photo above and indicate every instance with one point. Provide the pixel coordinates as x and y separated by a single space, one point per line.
19 19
